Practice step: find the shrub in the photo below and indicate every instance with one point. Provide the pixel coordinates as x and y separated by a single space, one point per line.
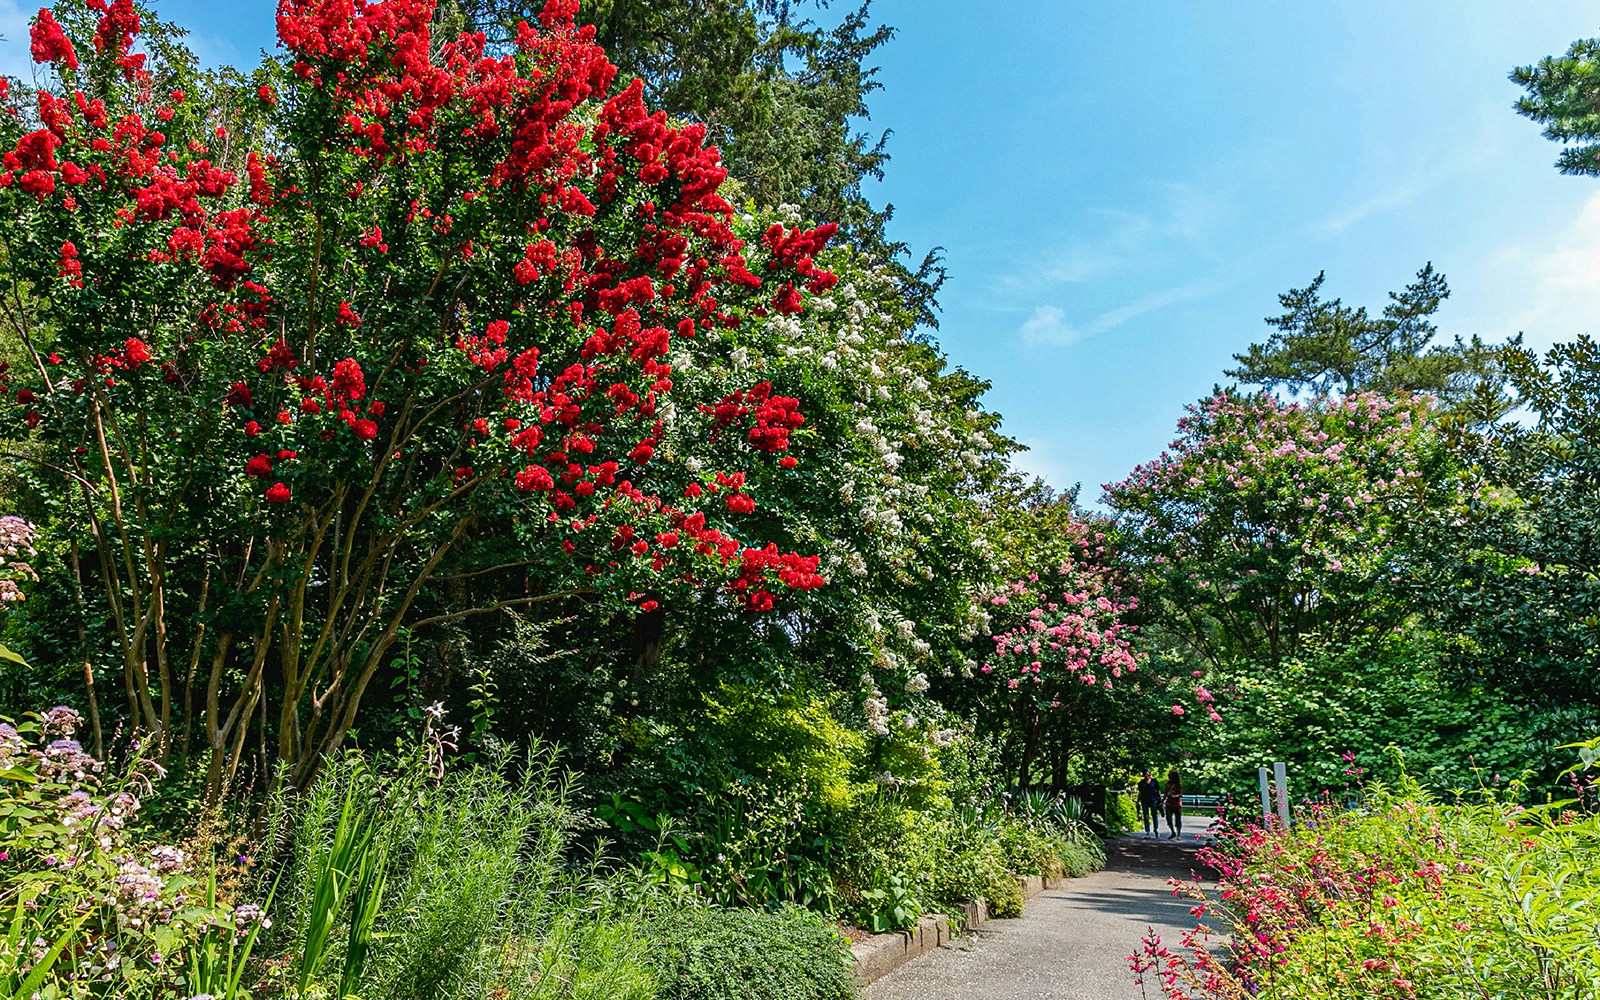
1030 851
1047 835
410 881
980 852
1122 813
1081 855
1007 900
965 862
717 954
579 957
91 908
877 837
1401 898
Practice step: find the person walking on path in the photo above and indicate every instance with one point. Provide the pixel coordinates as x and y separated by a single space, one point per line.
1174 796
1150 804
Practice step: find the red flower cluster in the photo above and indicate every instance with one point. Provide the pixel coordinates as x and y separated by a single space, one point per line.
797 251
794 571
50 43
572 245
775 416
68 266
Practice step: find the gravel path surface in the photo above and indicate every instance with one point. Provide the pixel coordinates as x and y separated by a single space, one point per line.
1070 943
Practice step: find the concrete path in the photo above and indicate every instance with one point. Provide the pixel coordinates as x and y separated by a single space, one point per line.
1070 943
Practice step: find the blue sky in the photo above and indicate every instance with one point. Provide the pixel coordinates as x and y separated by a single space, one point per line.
1123 188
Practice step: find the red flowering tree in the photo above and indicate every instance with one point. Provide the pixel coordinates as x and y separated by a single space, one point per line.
297 394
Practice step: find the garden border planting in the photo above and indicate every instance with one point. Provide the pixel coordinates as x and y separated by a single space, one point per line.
881 954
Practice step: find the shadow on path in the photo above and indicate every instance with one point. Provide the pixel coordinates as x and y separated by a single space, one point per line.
1071 943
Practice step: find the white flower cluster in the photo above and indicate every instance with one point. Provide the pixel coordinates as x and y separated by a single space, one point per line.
876 709
887 439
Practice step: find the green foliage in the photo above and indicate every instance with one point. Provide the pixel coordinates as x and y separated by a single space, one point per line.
962 860
978 852
1122 813
1406 898
420 883
1321 347
1516 575
1563 95
581 957
792 741
760 847
340 863
1312 710
217 962
29 960
1007 900
892 907
717 954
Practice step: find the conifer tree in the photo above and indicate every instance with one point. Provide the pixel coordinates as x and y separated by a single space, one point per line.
1322 346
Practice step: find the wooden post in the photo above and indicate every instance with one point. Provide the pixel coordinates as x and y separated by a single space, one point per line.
1280 774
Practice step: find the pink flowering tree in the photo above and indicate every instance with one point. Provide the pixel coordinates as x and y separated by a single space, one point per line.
384 341
1266 521
1063 679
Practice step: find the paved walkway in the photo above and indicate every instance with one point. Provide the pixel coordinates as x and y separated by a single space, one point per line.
1071 943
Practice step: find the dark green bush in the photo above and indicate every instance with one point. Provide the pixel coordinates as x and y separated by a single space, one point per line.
716 954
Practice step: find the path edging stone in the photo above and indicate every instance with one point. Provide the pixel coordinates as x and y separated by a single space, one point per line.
881 954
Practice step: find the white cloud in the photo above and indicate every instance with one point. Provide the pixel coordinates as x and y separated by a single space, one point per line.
1109 239
214 51
1477 141
1545 287
1379 204
1041 462
1048 325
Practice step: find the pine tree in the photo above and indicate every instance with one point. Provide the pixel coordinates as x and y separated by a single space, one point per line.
1322 346
1563 95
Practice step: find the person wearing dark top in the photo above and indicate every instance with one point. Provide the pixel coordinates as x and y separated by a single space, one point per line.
1150 804
1174 803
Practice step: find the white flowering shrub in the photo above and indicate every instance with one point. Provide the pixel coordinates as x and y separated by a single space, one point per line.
885 478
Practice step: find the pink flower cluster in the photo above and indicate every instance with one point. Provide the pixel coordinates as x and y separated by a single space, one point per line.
1074 631
16 547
